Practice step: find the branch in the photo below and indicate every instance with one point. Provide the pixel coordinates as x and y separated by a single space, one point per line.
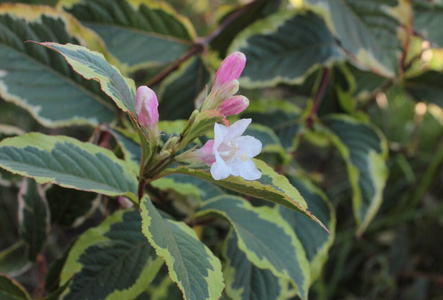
228 21
201 44
318 97
197 48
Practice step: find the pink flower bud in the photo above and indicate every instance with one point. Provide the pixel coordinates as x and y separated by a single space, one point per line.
234 105
226 91
125 202
146 107
230 69
217 97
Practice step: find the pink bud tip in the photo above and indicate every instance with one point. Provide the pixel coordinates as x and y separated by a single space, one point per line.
146 107
233 105
230 69
125 202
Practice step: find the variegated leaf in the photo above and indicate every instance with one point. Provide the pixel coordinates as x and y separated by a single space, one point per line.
139 33
245 281
11 289
427 16
70 207
111 261
33 215
93 65
271 186
188 186
365 151
265 238
245 17
285 48
14 260
191 265
370 31
282 117
69 163
314 240
179 91
33 78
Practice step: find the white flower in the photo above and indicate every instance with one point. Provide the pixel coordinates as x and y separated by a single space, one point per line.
233 152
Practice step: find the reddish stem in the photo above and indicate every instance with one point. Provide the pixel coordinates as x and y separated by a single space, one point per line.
197 48
201 44
41 267
318 97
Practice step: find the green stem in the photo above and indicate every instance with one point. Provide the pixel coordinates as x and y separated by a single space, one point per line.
427 178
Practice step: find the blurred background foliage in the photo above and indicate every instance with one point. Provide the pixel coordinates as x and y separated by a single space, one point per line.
399 255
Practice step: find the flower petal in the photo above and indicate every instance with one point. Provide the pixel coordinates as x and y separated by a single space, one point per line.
220 132
237 129
245 169
220 170
249 145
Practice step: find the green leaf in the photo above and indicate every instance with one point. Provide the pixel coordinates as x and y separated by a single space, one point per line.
130 146
191 265
265 238
11 289
270 142
367 30
179 92
427 22
69 163
282 117
16 117
244 280
364 150
14 260
8 216
426 87
271 186
366 82
93 65
40 82
246 14
70 207
139 33
162 287
315 241
33 216
188 186
274 58
111 261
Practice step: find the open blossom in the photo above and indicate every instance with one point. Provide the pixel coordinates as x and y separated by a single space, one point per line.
230 153
146 107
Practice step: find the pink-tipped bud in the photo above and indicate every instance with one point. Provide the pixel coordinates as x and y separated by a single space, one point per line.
217 97
146 107
125 202
226 91
234 105
230 69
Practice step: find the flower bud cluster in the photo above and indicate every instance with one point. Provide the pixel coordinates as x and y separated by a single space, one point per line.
221 97
229 153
